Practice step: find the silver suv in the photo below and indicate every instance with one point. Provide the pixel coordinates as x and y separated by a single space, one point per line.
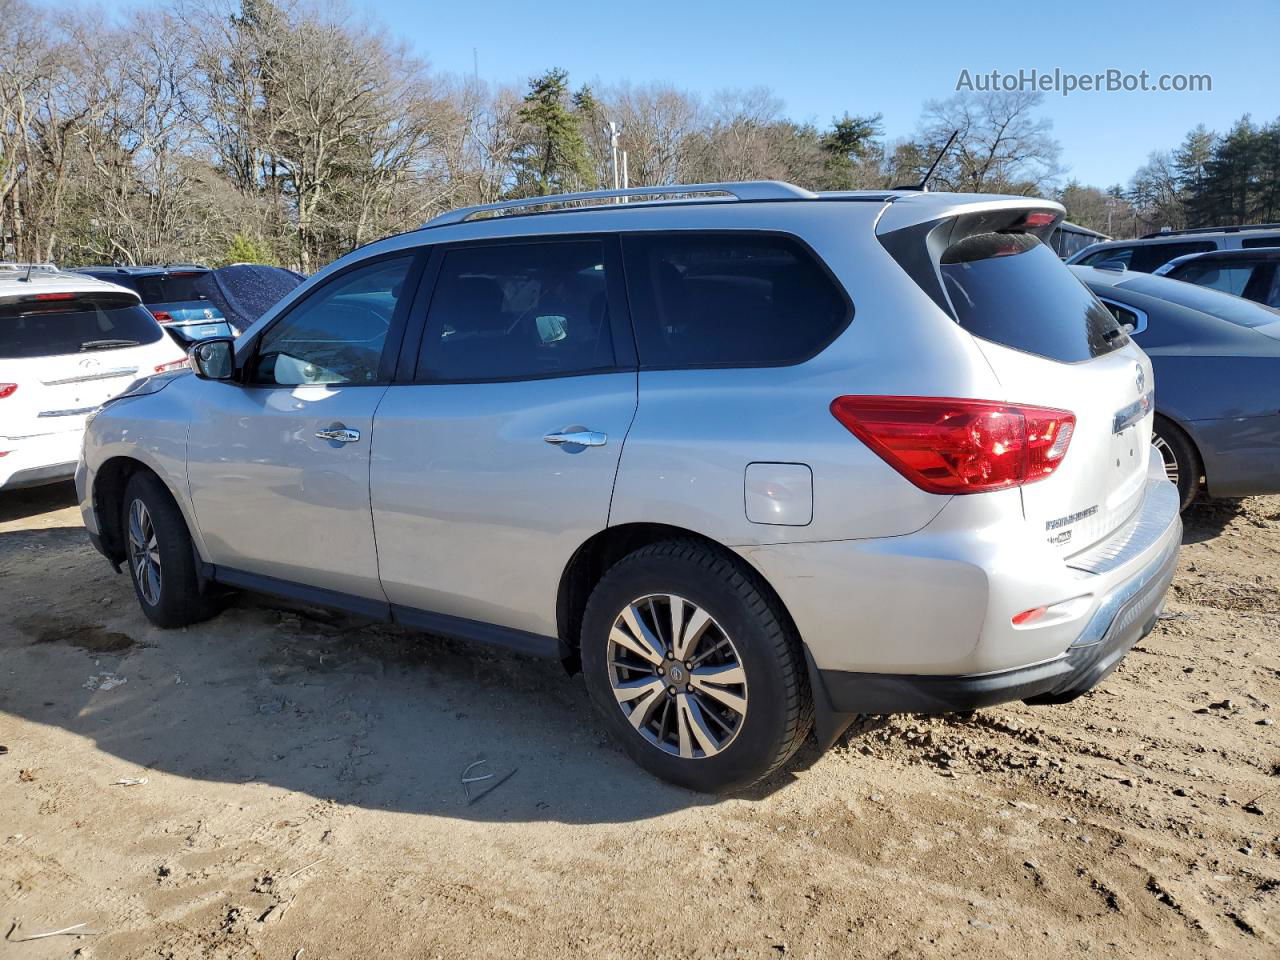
754 459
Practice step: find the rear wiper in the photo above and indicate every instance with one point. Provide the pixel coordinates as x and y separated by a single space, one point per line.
106 344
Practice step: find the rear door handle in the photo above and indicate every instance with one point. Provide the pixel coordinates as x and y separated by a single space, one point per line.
581 438
338 434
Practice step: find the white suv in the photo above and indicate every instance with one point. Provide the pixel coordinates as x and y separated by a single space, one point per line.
756 461
68 343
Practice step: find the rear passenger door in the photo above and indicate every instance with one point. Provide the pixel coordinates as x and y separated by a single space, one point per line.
496 459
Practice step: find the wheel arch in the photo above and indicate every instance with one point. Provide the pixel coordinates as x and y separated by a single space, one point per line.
1179 425
110 480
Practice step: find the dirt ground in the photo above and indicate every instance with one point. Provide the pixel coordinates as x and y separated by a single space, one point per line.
302 793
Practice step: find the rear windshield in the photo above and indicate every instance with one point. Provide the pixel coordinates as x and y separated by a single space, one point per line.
168 288
1243 313
30 328
1012 290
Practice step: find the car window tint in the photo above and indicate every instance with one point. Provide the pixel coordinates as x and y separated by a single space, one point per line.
1272 240
520 310
338 333
1244 313
1147 257
1122 254
86 323
1219 276
729 300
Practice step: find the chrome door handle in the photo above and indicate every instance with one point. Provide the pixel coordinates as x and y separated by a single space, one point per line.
582 438
338 435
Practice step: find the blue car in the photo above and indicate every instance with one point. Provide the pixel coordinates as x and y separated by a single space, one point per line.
174 296
1216 359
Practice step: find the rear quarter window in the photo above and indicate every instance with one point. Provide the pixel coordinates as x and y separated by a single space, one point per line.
1012 290
730 300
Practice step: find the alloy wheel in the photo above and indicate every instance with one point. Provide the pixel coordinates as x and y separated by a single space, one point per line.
144 552
1167 455
677 676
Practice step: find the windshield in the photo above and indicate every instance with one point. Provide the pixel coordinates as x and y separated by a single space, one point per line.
1243 313
31 328
1012 290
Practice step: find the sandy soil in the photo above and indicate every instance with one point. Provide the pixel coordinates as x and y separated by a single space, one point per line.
303 793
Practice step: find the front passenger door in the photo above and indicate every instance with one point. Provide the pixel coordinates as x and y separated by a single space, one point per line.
279 462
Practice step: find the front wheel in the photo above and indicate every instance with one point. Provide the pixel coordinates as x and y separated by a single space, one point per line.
160 555
694 667
1181 463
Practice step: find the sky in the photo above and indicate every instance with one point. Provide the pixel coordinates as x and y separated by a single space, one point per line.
823 58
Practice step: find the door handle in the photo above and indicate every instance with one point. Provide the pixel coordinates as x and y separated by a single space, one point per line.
581 438
338 434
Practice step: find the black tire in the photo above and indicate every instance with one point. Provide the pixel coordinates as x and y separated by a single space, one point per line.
780 708
1180 459
174 598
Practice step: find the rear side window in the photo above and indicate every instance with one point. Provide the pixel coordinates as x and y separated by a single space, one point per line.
1218 276
518 311
1149 256
729 300
1012 290
1252 242
44 328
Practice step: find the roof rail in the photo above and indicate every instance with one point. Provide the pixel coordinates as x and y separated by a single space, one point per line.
12 270
1241 228
747 191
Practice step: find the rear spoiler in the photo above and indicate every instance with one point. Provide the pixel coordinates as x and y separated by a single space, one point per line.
916 235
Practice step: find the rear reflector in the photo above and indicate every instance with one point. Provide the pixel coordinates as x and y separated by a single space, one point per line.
163 316
1028 615
7 390
952 446
173 365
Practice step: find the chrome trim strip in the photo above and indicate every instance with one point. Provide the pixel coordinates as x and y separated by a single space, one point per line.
78 411
1149 525
101 375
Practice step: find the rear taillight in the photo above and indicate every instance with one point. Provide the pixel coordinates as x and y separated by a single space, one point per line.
7 390
173 365
947 445
164 316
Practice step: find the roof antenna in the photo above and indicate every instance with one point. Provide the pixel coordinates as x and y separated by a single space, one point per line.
27 278
923 185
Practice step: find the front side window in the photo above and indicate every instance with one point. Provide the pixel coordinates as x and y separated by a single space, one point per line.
1120 254
338 333
518 311
729 300
1149 256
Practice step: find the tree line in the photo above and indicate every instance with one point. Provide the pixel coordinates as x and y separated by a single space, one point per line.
282 131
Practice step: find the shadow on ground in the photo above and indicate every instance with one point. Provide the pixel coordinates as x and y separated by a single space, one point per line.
301 699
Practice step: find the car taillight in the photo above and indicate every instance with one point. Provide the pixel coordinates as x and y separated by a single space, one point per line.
164 316
951 446
173 365
7 390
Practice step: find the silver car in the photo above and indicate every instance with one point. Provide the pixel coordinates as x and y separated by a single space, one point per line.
755 459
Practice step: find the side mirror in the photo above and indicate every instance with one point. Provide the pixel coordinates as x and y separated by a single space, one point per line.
214 359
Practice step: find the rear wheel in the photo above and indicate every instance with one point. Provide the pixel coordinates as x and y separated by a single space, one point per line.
694 667
160 555
1181 462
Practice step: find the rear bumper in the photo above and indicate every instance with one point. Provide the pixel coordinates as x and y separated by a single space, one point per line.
1124 617
31 461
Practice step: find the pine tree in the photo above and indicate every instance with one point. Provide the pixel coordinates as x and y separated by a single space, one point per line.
1189 161
850 142
553 157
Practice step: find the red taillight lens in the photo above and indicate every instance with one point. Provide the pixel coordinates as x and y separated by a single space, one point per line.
948 445
172 365
7 390
164 316
1040 218
53 296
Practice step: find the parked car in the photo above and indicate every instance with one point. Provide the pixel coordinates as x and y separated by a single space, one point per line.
68 343
1217 364
174 296
1253 274
756 463
1068 239
243 292
1155 249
